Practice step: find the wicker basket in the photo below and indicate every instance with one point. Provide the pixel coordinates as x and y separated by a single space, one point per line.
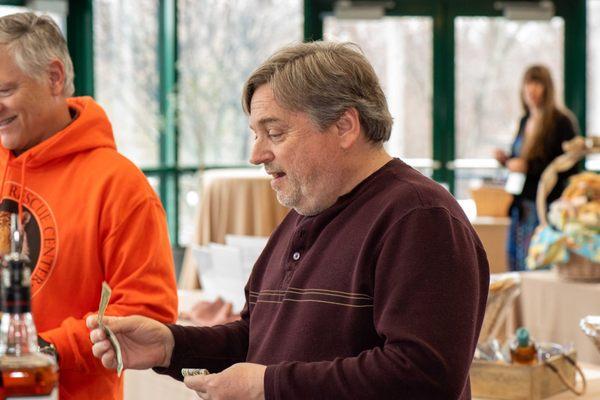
578 268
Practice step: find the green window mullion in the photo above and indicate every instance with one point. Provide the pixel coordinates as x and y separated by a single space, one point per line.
574 14
313 24
80 39
14 3
169 180
443 89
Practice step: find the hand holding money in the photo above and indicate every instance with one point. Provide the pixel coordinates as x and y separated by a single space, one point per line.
240 381
194 371
144 342
104 299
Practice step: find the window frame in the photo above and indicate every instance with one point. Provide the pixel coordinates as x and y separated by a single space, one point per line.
443 12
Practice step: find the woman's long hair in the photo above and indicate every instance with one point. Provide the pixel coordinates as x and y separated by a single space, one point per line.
549 111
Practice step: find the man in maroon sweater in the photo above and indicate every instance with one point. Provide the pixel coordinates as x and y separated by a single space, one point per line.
373 287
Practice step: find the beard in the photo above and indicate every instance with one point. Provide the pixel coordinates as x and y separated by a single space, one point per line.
302 195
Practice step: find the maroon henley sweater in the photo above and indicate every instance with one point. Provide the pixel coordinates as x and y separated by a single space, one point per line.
381 296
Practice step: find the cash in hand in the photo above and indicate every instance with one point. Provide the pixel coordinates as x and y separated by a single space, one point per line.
194 371
112 338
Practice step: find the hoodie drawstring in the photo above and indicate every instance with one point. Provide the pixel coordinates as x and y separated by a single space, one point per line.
21 194
20 203
4 177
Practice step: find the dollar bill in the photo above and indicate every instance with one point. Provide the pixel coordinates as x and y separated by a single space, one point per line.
194 371
112 338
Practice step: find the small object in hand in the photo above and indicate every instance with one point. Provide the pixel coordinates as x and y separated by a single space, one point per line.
194 371
112 338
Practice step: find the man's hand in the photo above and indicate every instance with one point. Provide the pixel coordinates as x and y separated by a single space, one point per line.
145 343
243 381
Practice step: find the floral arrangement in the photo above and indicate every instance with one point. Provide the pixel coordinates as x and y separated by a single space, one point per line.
574 225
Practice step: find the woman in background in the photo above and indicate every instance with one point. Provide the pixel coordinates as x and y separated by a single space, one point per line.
542 130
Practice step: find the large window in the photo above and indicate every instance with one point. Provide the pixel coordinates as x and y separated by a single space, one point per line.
220 43
170 72
126 75
490 58
401 51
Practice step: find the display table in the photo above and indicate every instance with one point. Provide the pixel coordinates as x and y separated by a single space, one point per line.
234 201
551 309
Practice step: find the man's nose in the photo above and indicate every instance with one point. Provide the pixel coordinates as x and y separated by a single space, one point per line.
261 153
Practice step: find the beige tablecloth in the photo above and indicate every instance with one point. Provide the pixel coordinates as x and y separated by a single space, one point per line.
551 308
233 202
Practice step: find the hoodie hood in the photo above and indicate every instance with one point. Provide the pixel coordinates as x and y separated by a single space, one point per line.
89 130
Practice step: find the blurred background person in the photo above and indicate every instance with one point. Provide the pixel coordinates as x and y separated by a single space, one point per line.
542 130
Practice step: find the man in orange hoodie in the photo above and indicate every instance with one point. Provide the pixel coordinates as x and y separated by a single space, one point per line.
92 215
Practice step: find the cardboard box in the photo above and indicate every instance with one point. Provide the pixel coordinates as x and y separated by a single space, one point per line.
491 201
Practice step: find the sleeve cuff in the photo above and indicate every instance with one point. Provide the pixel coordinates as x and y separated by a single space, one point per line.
174 369
272 383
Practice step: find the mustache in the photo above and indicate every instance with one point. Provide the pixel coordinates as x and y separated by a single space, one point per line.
272 168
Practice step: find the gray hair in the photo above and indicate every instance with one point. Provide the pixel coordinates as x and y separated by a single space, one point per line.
324 79
34 42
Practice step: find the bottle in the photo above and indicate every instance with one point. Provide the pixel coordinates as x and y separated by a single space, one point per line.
25 371
522 349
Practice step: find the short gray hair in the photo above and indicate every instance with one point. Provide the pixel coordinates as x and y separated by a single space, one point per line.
324 79
34 42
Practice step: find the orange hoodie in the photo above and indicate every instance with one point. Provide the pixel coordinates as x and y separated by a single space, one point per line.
89 215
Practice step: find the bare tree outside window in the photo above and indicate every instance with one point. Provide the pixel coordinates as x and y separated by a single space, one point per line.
126 77
401 51
220 43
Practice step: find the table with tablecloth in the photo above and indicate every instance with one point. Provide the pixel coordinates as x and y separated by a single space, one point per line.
551 308
235 201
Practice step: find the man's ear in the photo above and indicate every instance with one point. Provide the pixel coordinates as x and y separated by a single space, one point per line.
348 128
56 77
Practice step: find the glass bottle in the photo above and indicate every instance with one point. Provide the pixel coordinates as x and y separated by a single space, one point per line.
523 350
25 371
